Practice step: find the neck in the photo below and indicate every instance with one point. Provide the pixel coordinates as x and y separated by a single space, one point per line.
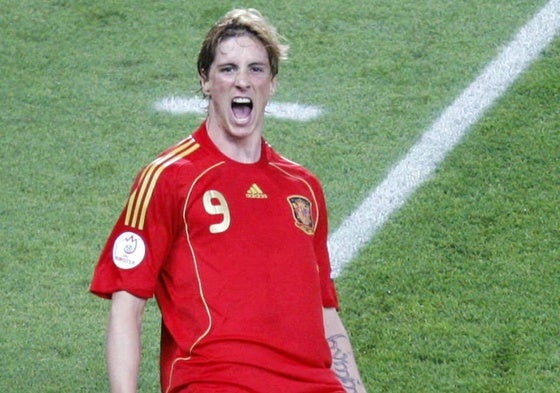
243 149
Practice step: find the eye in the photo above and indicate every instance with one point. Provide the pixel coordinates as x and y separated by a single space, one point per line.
257 68
228 68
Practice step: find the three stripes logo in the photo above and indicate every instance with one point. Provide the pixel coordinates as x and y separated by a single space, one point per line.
255 192
140 198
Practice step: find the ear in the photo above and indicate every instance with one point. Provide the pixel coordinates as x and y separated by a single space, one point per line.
205 84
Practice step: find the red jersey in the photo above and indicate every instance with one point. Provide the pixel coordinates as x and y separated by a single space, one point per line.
236 256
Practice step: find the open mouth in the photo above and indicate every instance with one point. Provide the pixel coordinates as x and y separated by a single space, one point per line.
241 107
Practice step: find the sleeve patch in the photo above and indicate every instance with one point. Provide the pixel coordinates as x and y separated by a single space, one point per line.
129 250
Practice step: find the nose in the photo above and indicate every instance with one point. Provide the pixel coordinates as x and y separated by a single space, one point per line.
242 79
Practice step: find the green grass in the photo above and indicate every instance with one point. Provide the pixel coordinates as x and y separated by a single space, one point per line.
458 293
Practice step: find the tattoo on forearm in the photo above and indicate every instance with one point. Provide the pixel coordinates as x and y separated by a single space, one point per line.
341 364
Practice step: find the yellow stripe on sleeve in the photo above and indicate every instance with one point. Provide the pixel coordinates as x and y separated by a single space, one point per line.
139 199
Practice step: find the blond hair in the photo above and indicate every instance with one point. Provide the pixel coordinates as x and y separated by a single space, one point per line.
236 23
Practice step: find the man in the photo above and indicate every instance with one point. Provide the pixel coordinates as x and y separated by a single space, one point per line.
230 238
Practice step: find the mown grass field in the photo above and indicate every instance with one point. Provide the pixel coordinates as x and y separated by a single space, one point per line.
459 292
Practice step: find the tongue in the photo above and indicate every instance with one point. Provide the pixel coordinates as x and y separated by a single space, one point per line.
241 111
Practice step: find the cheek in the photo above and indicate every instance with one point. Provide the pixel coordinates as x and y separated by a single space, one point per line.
217 85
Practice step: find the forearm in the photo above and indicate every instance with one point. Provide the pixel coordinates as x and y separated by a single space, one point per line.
343 360
123 343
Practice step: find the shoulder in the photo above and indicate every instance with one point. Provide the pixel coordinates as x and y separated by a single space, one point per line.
177 164
188 154
292 168
279 160
171 159
184 150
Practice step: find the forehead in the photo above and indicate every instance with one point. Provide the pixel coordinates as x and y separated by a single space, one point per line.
246 47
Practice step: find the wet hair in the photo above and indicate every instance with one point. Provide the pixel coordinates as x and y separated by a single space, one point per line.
236 23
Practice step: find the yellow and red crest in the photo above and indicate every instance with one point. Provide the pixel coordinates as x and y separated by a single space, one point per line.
301 209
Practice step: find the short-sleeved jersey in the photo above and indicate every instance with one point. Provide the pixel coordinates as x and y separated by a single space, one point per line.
237 259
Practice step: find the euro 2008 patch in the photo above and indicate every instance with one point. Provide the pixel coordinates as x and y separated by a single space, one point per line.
129 250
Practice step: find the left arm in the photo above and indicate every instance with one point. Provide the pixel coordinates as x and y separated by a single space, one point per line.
344 364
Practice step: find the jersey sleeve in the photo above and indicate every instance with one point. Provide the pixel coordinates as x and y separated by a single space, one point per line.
328 290
140 240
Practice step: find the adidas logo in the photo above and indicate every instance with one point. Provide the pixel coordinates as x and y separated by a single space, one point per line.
255 192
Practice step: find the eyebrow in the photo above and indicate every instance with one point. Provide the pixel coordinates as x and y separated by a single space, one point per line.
234 64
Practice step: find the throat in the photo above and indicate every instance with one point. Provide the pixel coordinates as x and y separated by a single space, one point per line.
243 153
237 143
241 111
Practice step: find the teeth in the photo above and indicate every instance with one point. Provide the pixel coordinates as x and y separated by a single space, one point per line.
241 100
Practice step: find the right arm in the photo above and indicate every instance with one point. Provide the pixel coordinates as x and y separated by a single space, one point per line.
123 343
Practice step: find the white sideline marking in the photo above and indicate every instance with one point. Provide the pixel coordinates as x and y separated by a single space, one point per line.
279 110
423 158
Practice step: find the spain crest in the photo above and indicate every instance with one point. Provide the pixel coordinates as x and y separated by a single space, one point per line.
301 209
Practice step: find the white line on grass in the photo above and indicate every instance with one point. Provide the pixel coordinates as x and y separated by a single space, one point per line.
279 110
423 158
